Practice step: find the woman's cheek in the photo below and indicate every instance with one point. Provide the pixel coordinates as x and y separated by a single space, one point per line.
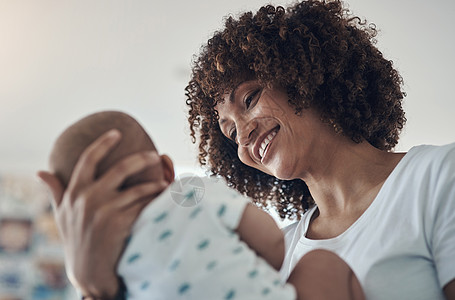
241 154
245 157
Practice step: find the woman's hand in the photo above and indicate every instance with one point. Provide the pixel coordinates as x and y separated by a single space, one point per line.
95 218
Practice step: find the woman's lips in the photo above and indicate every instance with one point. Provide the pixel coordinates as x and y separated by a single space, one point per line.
265 145
266 142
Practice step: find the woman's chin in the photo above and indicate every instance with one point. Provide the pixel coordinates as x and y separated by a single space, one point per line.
284 174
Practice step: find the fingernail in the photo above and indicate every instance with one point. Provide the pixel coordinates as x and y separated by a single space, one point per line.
164 184
38 176
113 133
38 179
153 154
41 181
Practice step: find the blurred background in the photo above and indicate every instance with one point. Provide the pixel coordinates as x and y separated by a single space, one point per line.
61 60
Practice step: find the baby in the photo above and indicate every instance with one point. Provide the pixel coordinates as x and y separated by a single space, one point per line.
200 239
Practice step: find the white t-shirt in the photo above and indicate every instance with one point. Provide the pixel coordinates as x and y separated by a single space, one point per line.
403 246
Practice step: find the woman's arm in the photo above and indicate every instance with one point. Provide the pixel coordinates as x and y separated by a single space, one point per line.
94 217
258 229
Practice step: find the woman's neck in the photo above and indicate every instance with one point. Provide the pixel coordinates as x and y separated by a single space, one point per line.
347 183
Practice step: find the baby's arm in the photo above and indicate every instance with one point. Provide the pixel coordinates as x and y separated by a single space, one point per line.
260 232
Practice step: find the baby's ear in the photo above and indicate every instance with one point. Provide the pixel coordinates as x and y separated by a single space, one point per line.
168 168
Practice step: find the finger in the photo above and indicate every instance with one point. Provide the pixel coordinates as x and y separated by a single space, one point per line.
128 166
127 206
53 184
84 170
139 193
131 212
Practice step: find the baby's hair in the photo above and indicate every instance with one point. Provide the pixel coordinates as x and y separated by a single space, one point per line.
75 139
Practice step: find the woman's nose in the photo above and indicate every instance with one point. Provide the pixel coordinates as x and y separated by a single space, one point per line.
245 132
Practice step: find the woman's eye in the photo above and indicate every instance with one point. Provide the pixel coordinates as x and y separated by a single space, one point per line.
233 134
250 98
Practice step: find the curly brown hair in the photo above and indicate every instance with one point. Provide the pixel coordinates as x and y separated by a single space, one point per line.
324 57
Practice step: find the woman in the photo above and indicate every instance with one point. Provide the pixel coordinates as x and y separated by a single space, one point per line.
298 110
298 107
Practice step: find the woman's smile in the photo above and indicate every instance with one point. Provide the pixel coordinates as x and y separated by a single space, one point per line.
265 144
261 127
271 137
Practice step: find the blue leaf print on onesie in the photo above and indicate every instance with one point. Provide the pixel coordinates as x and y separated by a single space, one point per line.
184 288
204 244
265 291
195 212
221 210
211 265
145 285
165 235
230 295
253 274
237 250
133 257
174 265
190 194
160 217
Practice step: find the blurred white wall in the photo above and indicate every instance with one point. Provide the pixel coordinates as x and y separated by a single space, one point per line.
60 60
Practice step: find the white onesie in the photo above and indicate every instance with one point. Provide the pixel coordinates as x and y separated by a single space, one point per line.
184 246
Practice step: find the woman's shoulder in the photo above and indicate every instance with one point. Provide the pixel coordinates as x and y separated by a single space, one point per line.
428 166
433 151
432 156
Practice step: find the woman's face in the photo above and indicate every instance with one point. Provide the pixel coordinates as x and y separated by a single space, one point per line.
270 136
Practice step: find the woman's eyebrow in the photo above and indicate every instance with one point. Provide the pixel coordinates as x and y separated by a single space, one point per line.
231 99
234 90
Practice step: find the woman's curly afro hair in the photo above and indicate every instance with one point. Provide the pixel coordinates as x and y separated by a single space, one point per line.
325 59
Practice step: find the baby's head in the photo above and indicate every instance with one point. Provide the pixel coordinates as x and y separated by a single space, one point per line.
74 140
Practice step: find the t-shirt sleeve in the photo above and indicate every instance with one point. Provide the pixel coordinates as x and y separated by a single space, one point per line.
443 237
225 203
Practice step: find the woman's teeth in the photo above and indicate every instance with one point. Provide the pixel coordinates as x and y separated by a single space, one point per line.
266 142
